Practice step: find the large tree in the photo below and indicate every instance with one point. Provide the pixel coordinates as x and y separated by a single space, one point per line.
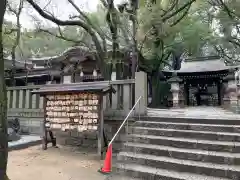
3 102
168 31
14 8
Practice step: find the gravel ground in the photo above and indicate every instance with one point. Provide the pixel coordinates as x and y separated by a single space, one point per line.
63 163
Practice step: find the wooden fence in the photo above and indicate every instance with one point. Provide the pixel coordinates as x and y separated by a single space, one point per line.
28 107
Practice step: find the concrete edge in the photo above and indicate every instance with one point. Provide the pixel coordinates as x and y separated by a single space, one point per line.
25 145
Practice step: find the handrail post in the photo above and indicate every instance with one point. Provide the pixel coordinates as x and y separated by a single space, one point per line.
119 129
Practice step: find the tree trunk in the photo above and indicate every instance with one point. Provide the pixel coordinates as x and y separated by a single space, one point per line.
16 42
3 104
160 92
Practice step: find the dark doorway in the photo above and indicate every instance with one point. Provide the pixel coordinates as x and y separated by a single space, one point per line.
203 92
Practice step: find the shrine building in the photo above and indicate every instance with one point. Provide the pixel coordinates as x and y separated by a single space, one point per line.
203 81
76 64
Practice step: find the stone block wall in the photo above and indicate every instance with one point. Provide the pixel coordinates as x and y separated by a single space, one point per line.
89 139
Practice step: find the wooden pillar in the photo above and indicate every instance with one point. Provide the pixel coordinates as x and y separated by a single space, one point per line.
34 101
27 103
21 99
9 99
44 131
41 102
186 90
100 127
219 90
14 102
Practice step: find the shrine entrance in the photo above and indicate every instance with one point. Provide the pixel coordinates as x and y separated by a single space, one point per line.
203 92
201 81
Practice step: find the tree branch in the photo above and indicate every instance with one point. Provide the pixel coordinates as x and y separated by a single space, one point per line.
10 31
178 10
86 27
227 10
86 18
61 36
233 41
145 38
181 17
104 3
170 9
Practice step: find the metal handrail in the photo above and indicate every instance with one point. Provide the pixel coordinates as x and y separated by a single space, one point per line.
119 129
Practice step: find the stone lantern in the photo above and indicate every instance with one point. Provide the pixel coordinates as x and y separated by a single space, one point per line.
237 83
175 89
230 84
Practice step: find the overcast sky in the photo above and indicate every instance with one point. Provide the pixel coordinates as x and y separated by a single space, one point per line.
60 8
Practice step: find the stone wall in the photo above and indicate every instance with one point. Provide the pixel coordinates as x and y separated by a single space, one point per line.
89 139
28 108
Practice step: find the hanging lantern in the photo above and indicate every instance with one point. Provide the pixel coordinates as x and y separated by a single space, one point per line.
94 73
81 74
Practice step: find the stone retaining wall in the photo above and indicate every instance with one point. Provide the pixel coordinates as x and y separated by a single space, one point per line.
89 139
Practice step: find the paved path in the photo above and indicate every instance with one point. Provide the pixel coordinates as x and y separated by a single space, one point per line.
204 112
53 164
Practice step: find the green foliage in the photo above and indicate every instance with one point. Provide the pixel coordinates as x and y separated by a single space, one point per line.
228 33
34 43
188 36
8 35
42 44
187 32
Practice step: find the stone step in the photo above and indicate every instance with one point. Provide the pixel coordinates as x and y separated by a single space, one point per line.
199 120
144 172
182 153
189 126
208 135
202 168
119 177
188 143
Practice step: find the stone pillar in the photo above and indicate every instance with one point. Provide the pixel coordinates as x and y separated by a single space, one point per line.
230 98
175 89
141 90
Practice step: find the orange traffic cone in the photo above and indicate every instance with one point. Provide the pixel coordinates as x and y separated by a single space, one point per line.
107 167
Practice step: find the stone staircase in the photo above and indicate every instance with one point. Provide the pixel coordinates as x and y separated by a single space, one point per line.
161 148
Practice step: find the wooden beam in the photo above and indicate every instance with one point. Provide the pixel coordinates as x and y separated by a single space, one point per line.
100 127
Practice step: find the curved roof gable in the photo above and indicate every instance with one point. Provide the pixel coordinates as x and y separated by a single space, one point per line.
202 64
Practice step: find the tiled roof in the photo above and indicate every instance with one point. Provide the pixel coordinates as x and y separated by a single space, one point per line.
202 65
83 87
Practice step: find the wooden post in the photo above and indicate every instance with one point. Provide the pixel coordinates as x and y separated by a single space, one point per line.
219 93
126 97
34 101
14 103
115 99
21 100
44 131
28 93
41 102
9 98
100 127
